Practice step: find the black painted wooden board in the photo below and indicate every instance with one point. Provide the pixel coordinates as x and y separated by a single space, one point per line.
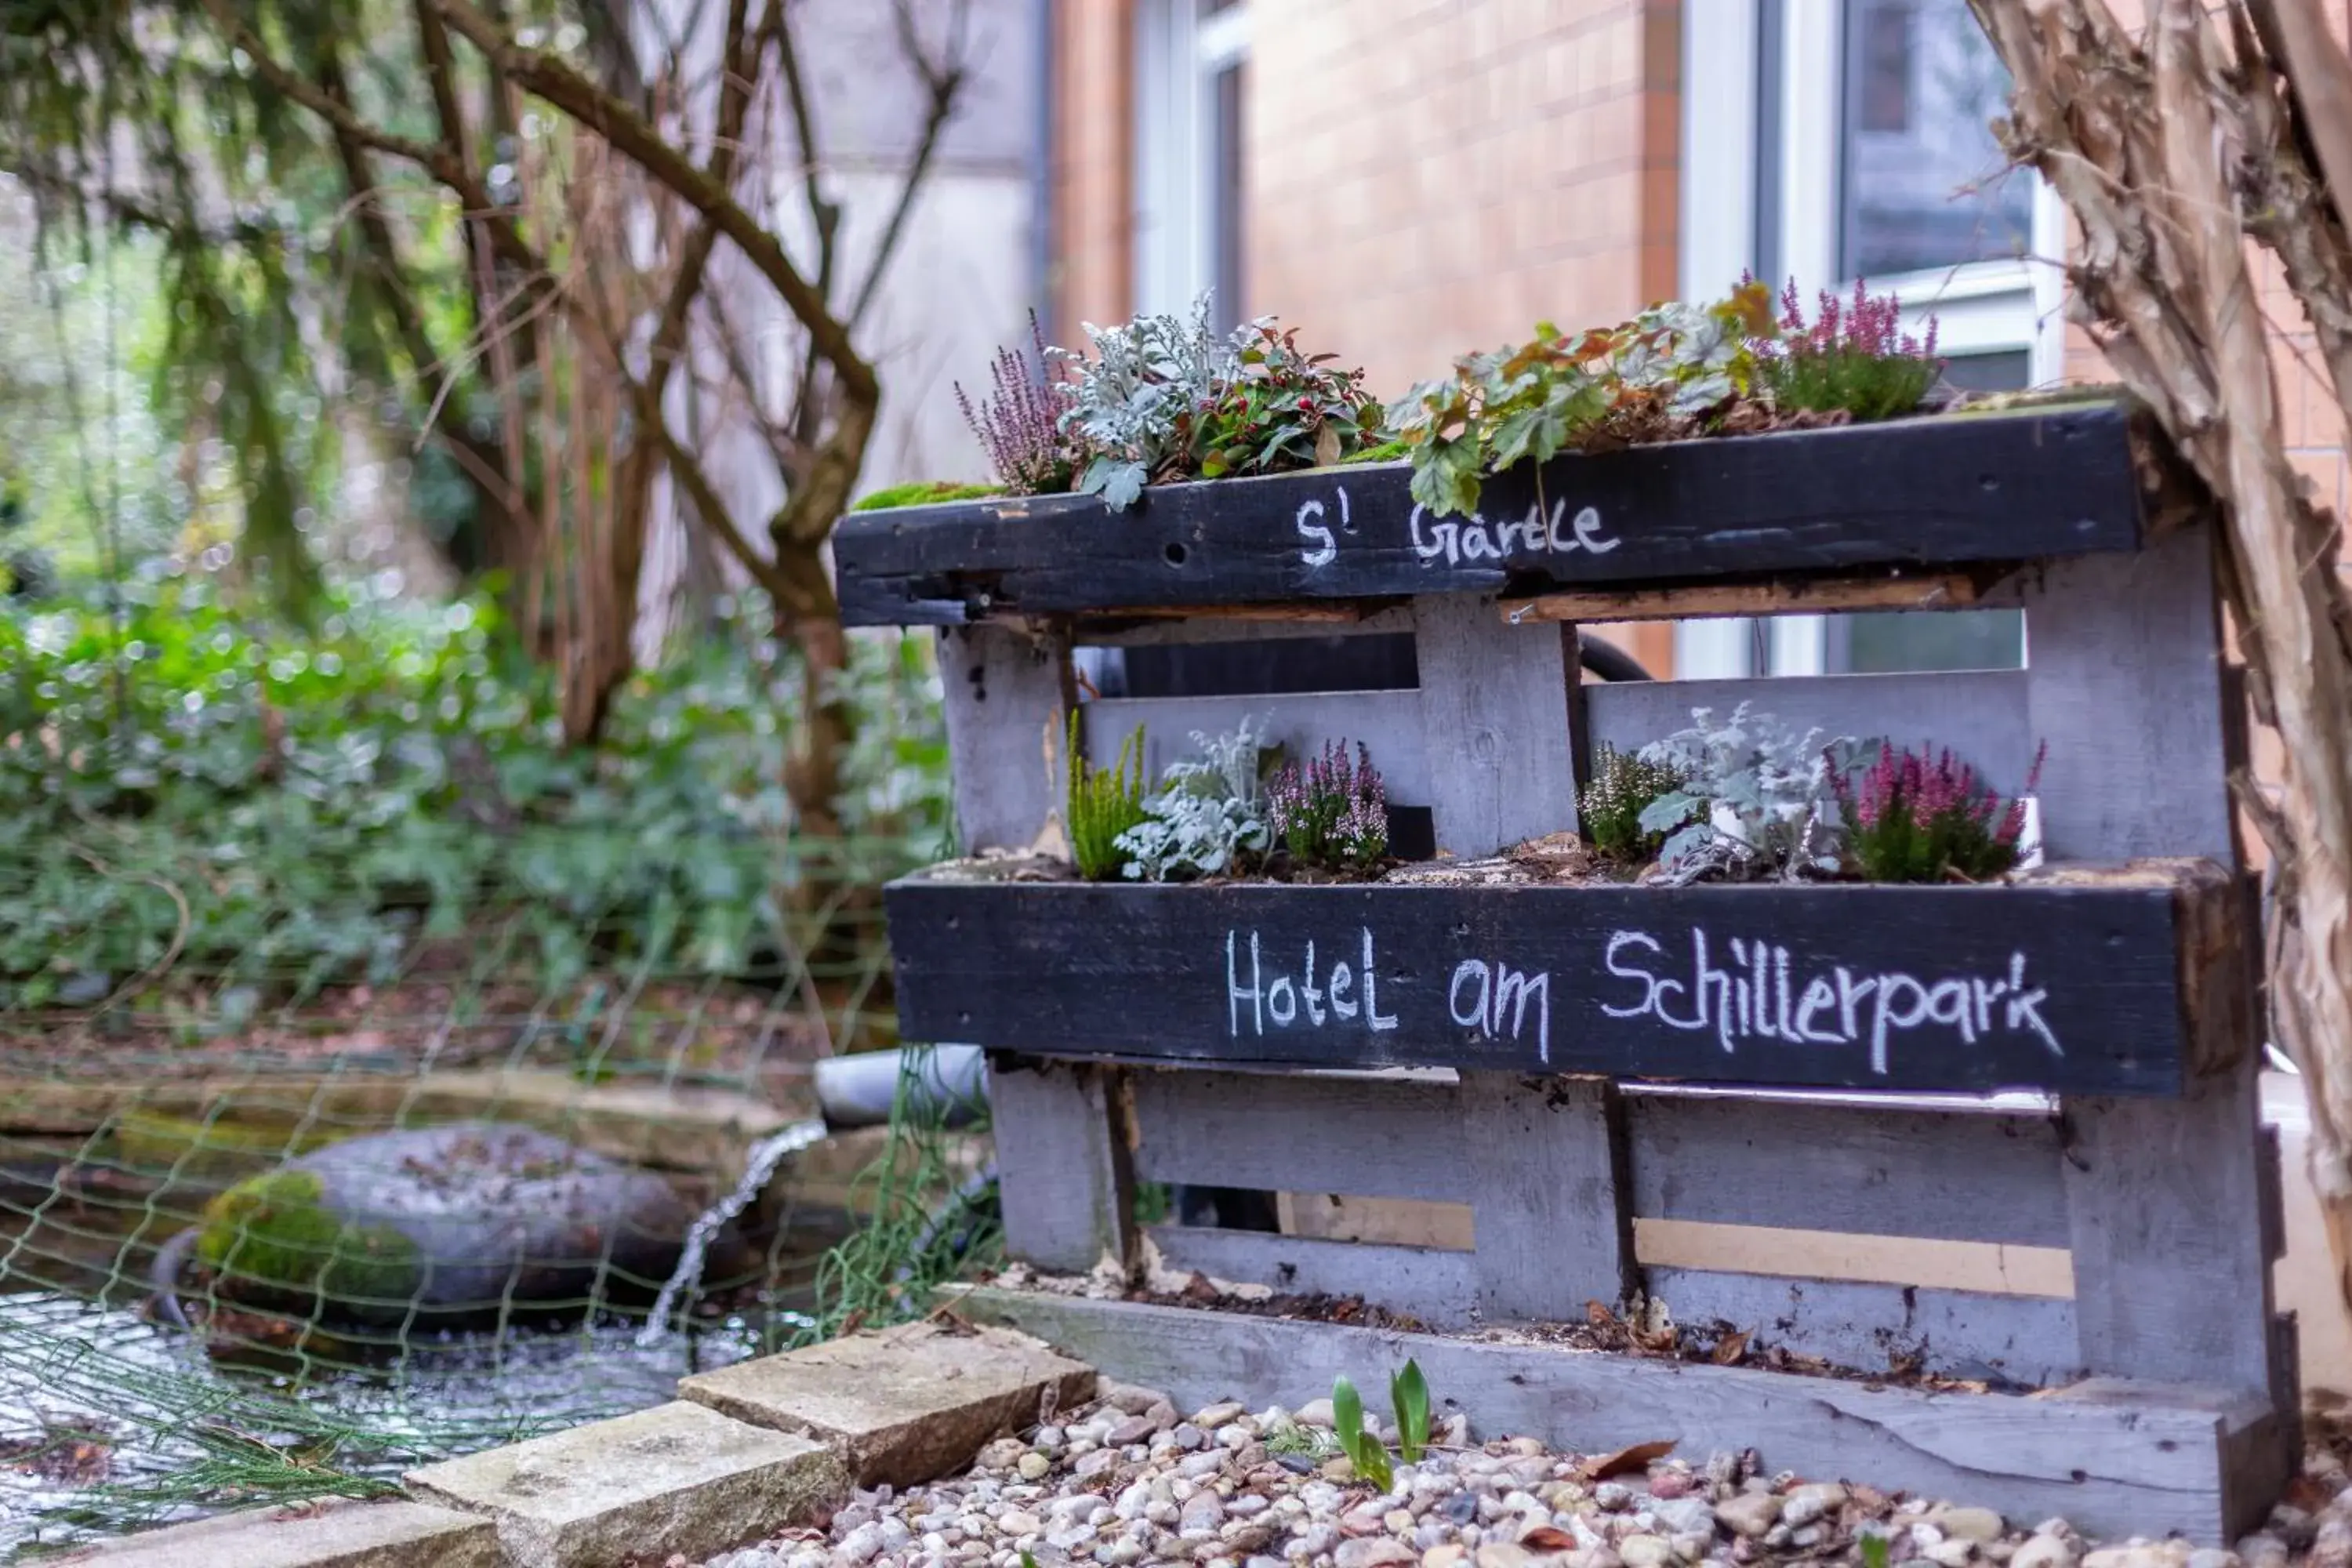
1940 491
2071 987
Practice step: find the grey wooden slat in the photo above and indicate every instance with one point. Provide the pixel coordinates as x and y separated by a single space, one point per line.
1388 722
1437 1287
2172 1271
1215 628
2124 678
1300 1133
2123 682
2021 1339
2144 1468
1979 714
2268 1167
1952 1177
1005 692
1554 1225
1063 1172
1494 703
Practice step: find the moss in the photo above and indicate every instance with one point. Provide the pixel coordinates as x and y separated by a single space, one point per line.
221 1149
1386 452
925 492
273 1236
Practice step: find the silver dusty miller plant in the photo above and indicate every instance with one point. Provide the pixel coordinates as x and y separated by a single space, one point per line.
1209 809
1131 402
1760 804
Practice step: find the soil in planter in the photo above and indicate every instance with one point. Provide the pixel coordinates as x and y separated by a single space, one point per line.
1555 858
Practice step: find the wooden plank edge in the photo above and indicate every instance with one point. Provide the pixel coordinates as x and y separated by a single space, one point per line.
2114 1459
1772 597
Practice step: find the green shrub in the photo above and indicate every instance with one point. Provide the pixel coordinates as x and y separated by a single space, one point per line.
1103 802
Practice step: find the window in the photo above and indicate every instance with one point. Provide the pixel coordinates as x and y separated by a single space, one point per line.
1831 139
1191 82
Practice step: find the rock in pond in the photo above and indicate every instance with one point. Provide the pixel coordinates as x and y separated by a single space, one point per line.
454 1221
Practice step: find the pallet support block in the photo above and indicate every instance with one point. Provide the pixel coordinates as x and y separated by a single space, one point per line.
1065 1162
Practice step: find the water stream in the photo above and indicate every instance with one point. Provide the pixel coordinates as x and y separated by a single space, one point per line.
759 1167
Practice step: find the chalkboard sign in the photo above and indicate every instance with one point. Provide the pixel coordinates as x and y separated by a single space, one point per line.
1946 491
2060 988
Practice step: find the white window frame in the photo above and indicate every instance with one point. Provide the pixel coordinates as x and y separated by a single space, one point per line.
1987 307
1182 48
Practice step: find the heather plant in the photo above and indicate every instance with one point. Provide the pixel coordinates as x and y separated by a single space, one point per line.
1623 786
1020 424
1668 372
1207 815
1332 813
1910 817
1854 357
1104 804
1759 801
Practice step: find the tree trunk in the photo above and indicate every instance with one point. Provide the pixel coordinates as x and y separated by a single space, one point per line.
2173 150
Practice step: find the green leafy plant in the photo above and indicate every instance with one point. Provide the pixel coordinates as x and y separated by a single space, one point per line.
1364 1451
1758 801
1875 1549
1851 358
1281 409
1333 814
1625 784
1164 399
1911 817
1104 804
1208 812
1408 1396
1670 371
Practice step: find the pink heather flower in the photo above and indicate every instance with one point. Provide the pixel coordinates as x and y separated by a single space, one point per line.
1020 426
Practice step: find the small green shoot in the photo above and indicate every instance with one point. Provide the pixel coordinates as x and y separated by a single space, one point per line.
1363 1451
1874 1551
1409 1395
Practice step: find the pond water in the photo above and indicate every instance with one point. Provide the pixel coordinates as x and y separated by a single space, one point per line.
78 1364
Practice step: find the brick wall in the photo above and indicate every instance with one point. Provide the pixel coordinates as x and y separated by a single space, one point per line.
1091 165
1424 177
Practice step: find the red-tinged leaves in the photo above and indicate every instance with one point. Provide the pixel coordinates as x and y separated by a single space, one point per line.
1624 1461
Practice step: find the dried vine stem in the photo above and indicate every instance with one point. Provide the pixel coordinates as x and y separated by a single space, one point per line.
2173 147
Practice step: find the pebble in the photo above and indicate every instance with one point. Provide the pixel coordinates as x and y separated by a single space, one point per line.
1685 1516
1806 1503
1373 1551
1188 1435
1033 1465
1644 1551
1612 1496
1750 1514
1216 1415
1970 1523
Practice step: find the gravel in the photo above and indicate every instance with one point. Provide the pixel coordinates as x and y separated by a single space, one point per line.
1131 1480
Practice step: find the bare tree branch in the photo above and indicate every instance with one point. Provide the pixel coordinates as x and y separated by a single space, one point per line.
943 82
556 81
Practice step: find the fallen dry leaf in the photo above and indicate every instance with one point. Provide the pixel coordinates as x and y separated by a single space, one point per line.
1548 1538
1730 1347
1636 1458
1599 1316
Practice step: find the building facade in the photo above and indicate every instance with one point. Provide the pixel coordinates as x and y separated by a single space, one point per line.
1408 180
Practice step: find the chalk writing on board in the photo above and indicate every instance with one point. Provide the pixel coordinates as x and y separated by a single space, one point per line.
1488 996
1750 994
1322 544
1337 993
1540 533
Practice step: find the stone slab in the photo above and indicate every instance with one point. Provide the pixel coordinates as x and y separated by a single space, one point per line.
904 1406
393 1534
676 1478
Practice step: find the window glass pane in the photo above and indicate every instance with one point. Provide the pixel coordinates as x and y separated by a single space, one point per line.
1923 182
1955 639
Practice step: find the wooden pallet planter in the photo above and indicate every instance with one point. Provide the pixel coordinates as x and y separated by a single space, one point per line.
1592 1075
